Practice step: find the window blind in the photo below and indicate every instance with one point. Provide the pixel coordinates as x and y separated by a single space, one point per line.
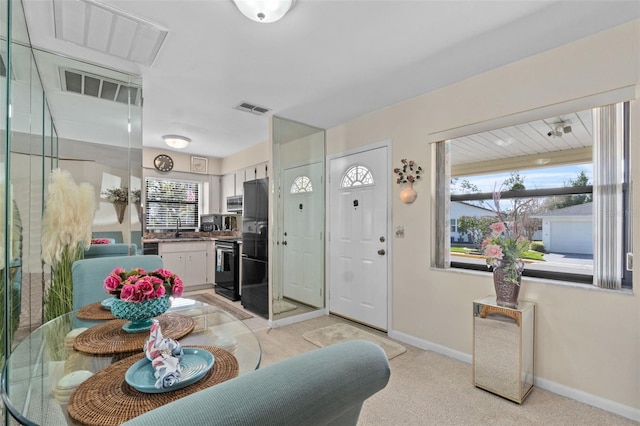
170 200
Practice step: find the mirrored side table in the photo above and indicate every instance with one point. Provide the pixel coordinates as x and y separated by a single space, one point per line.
503 348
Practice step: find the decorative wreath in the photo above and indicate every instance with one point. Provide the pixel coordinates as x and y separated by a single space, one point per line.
408 172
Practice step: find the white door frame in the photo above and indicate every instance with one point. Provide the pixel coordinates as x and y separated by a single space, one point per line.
382 144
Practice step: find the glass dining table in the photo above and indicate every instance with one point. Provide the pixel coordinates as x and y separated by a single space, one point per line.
76 363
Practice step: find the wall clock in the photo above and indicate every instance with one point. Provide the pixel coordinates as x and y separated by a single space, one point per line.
163 163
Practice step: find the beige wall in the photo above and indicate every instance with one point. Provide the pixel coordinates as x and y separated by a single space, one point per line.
587 340
251 156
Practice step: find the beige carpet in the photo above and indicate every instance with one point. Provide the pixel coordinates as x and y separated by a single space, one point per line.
213 300
337 333
428 389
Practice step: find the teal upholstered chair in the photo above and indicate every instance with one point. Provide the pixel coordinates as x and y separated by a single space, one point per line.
110 250
88 275
323 387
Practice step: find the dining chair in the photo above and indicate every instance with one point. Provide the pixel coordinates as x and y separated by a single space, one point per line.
88 275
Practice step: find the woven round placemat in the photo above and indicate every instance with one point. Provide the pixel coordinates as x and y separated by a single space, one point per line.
110 339
94 311
106 399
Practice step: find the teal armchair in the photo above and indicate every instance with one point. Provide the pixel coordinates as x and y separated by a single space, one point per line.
326 386
110 250
88 275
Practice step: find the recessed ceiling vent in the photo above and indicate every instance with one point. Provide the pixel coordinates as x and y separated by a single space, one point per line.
253 109
99 87
106 29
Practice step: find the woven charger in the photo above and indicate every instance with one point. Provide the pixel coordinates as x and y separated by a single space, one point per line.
106 399
110 339
94 311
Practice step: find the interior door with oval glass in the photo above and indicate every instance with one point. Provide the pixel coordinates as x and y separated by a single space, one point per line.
302 239
357 215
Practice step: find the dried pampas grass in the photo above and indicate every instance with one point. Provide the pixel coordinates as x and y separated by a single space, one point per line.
66 232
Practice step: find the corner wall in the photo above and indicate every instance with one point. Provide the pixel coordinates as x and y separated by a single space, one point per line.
587 339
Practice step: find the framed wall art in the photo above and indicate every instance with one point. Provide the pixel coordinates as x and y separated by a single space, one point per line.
198 165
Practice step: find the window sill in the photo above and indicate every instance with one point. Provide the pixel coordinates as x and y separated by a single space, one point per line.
534 280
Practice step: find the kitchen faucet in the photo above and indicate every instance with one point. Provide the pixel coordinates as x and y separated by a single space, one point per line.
177 227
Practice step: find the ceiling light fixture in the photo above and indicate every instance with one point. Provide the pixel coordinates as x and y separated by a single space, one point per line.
176 141
264 11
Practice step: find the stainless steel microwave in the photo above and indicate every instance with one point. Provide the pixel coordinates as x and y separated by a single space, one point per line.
234 204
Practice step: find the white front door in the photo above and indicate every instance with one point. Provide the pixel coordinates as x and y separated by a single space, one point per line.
358 241
302 237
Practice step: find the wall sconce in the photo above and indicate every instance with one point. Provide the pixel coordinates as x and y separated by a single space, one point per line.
408 172
176 141
264 11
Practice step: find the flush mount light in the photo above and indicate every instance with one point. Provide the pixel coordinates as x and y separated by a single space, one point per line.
264 11
176 141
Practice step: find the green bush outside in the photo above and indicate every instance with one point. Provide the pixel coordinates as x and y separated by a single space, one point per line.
537 246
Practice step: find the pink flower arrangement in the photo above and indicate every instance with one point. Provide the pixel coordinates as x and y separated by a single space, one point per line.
100 241
138 285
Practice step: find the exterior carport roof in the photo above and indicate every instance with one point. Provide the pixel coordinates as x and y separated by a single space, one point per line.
577 210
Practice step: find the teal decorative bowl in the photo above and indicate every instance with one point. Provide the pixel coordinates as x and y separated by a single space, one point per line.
139 314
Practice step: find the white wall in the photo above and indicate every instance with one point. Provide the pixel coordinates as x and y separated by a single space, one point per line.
587 340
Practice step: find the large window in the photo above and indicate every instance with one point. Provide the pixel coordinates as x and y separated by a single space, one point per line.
172 203
561 183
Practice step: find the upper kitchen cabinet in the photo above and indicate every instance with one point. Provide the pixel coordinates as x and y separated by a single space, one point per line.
240 178
228 188
262 170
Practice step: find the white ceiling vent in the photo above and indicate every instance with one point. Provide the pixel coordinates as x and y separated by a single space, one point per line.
253 109
99 87
108 30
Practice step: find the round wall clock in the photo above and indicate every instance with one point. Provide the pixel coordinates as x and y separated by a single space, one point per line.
163 163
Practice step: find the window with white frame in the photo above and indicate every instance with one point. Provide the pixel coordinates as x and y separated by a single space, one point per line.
171 203
357 175
301 184
563 182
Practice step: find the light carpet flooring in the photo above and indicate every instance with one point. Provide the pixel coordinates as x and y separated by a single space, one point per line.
431 389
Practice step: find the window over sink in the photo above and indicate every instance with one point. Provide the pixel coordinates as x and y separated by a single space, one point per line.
167 201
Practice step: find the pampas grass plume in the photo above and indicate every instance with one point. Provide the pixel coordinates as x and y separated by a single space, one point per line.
68 216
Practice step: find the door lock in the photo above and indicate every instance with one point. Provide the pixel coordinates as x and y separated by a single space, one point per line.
284 243
382 239
381 252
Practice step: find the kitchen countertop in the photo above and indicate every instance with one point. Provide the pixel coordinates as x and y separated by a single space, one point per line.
169 237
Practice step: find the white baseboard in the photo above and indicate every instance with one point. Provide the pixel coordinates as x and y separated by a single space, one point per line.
578 395
428 346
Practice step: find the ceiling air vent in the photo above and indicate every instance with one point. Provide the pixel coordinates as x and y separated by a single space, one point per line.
99 87
253 109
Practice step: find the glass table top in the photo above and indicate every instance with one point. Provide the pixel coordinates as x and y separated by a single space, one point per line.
32 388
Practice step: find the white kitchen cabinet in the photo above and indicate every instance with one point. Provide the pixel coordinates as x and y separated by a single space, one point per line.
228 188
240 178
187 259
215 195
261 170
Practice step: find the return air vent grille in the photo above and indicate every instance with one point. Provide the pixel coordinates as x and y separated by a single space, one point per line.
253 109
98 87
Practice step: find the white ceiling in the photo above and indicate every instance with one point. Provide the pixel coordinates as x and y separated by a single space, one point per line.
324 63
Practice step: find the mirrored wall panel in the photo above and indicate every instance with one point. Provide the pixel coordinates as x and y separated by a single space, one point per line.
299 206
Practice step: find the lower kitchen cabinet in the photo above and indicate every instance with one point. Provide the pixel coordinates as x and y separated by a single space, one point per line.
187 259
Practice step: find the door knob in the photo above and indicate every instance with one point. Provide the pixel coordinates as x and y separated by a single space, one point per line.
284 243
381 252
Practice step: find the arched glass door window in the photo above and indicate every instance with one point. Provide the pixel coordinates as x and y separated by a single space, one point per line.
301 184
356 176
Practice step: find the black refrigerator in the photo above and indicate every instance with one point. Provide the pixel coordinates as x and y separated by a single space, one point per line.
255 247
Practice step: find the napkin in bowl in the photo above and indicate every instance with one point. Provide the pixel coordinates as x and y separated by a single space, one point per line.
164 354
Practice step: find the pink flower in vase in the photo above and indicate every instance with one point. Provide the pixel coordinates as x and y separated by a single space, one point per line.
128 292
493 251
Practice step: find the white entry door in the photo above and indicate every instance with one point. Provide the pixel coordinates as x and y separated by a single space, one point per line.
303 274
358 241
